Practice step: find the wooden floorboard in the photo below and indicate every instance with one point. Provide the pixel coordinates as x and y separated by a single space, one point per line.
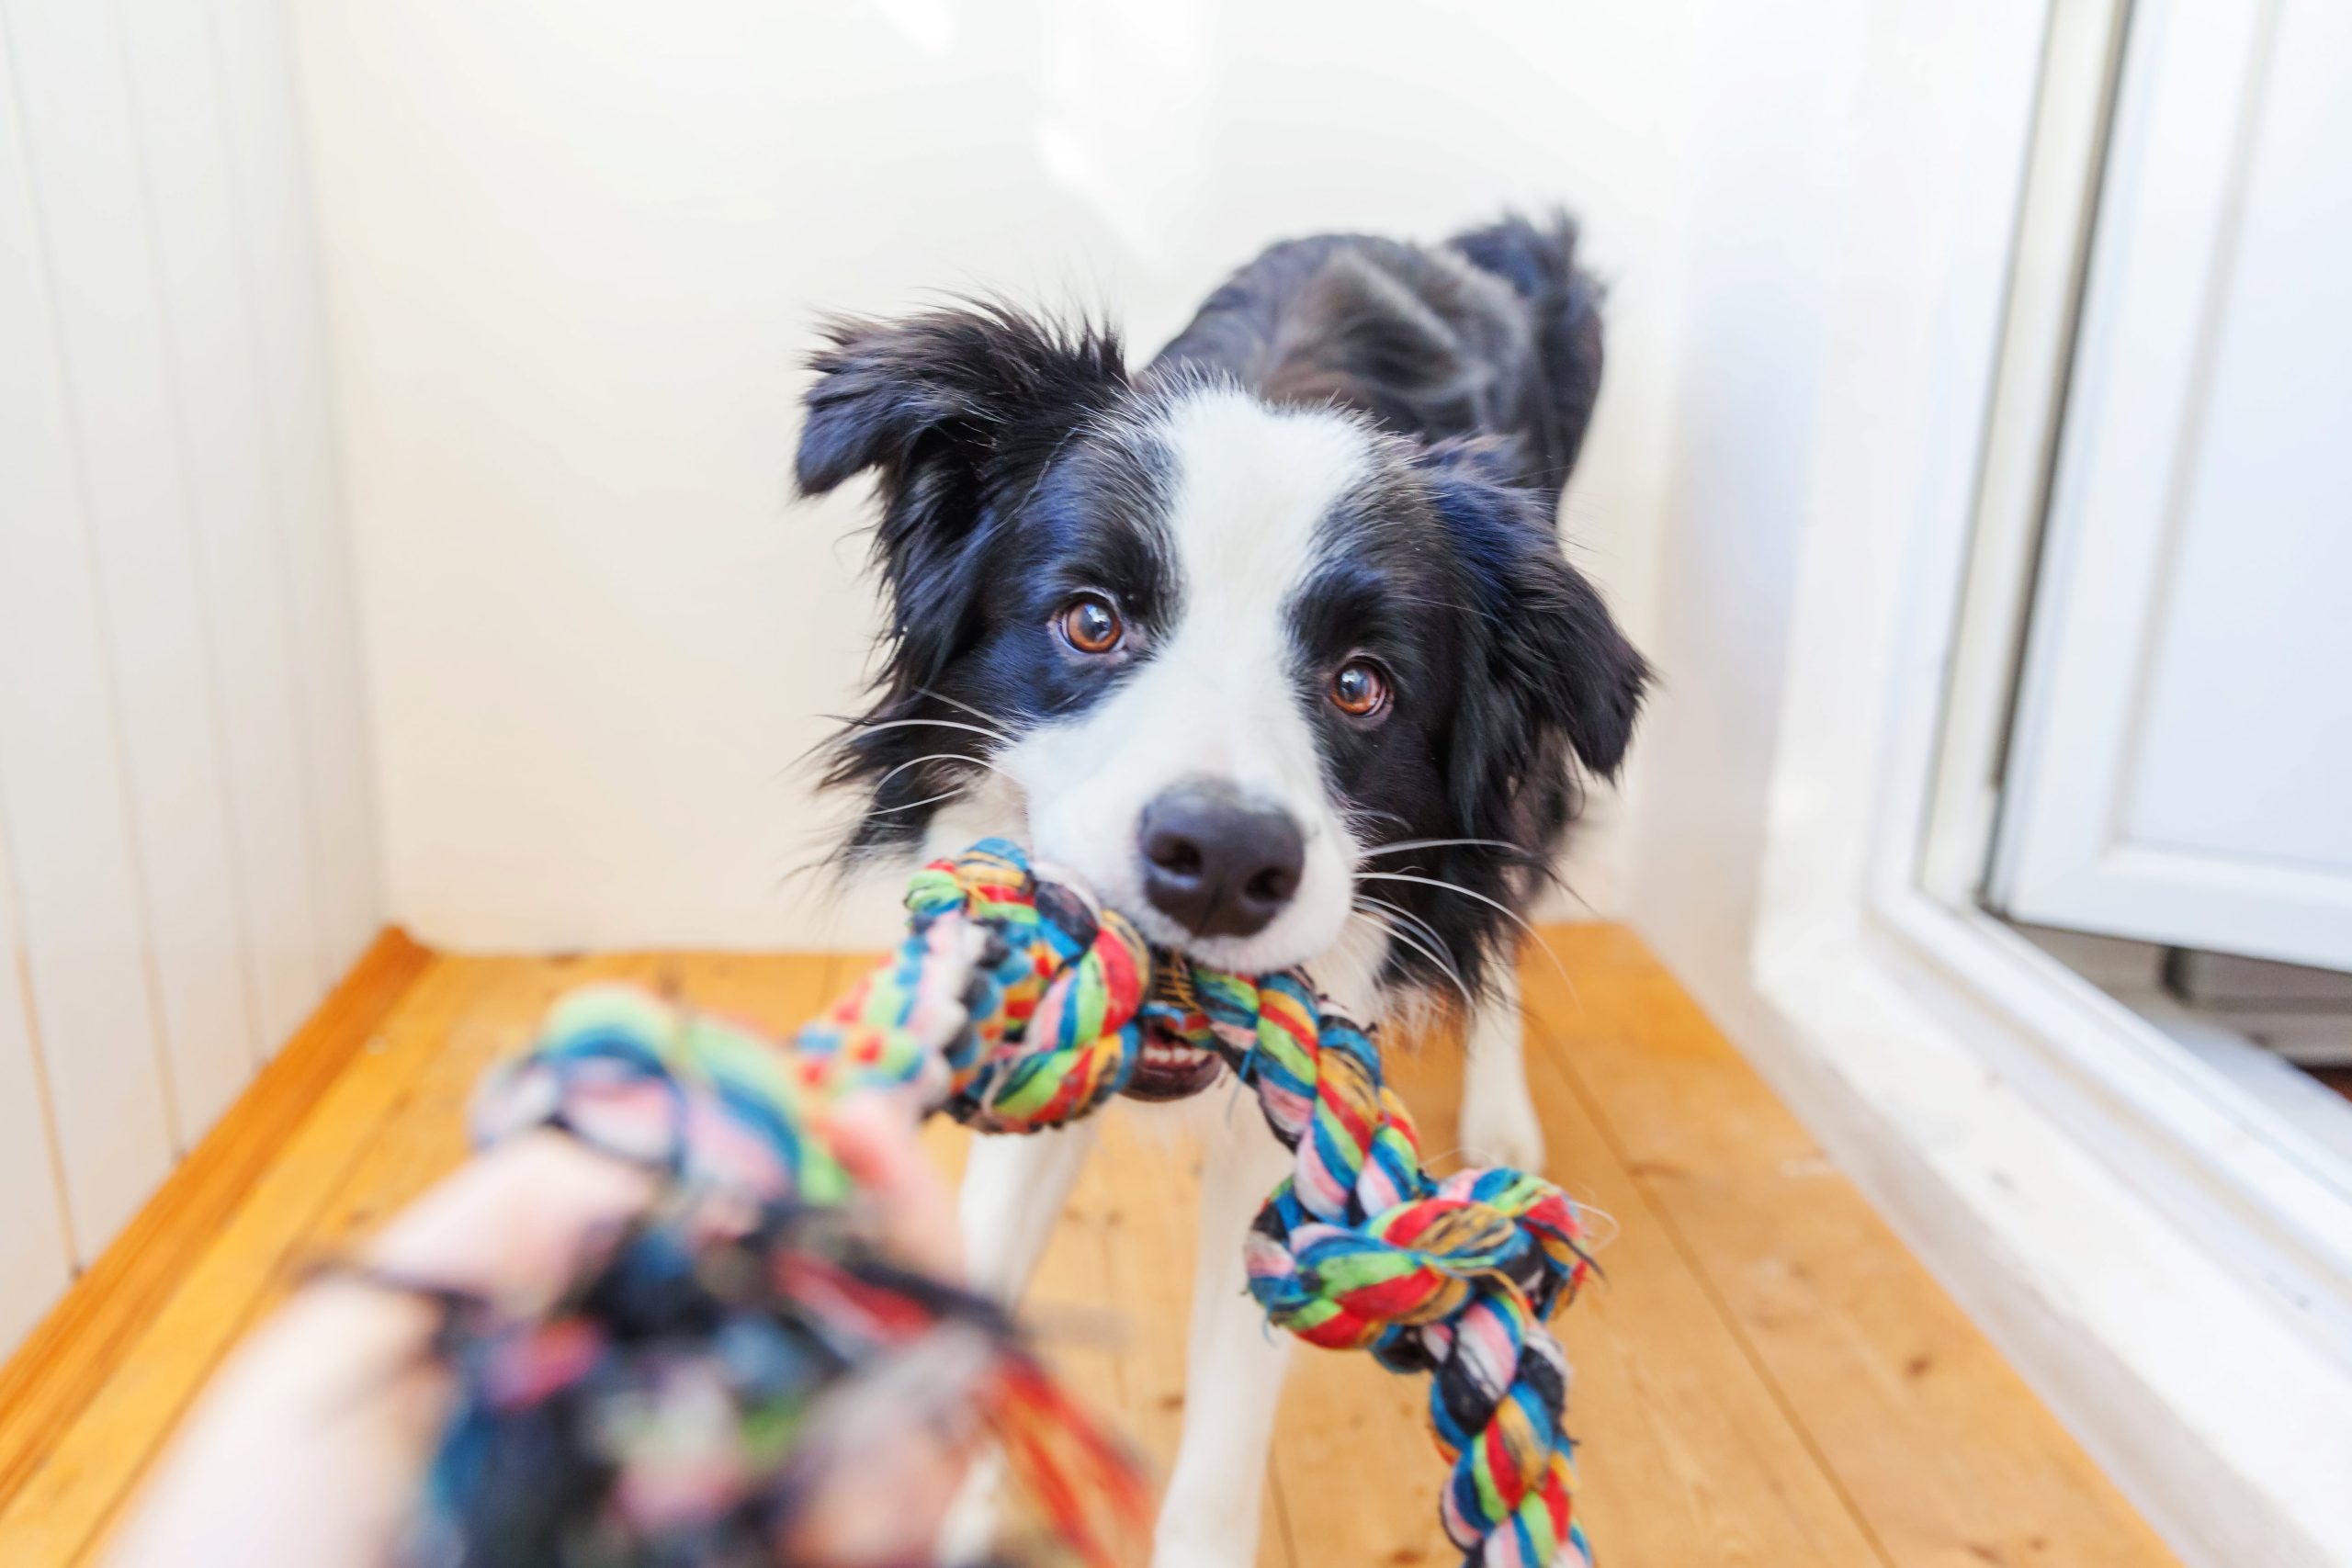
1682 1441
1941 1452
46 1388
1764 1376
64 1505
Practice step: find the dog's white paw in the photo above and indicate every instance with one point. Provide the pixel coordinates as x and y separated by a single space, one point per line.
1499 1124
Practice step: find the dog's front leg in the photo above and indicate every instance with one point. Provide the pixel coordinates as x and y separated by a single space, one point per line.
1499 1121
1234 1360
1015 1187
1013 1192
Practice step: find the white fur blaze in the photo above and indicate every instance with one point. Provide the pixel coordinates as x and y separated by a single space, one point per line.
1218 697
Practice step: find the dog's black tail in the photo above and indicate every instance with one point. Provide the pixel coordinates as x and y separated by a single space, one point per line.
1538 262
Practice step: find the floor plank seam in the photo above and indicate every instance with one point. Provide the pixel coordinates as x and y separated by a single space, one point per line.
1554 1055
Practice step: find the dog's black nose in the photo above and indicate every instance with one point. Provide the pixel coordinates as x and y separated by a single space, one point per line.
1216 863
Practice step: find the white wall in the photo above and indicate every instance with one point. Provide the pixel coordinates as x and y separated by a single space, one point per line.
574 249
188 856
1776 103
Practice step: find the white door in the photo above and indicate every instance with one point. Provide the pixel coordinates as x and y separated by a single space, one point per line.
2181 769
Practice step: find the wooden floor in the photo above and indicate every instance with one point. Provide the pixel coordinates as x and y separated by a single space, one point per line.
1764 1376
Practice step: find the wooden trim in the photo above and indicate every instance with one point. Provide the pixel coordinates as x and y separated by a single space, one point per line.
61 1364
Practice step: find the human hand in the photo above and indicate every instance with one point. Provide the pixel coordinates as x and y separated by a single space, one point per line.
309 1449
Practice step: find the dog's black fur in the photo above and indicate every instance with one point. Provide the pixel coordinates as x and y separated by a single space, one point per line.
1014 464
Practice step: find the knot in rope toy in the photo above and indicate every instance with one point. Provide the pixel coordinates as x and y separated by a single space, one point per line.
1014 1004
1361 1247
739 1351
1037 992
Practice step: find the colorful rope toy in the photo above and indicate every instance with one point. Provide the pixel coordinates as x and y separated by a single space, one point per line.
737 1349
1361 1247
1014 1004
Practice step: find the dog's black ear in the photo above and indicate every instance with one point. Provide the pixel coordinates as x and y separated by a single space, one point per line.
949 410
971 384
1555 657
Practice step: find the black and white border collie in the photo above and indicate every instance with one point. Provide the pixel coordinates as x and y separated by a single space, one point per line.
1274 647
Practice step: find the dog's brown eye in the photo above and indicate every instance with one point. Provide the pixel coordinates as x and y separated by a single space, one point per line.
1090 625
1359 689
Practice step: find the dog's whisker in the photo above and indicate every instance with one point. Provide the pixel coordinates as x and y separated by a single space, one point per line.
913 805
1003 730
1495 904
956 794
1429 935
1395 934
940 757
1443 843
876 727
1429 951
1436 956
1359 816
1436 946
1400 912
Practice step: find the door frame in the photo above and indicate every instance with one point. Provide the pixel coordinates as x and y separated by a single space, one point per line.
2277 1200
2174 1287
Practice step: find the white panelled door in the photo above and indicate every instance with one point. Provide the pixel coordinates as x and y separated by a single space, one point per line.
2182 764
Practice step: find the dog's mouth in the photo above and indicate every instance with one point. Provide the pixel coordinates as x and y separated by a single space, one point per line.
1171 1069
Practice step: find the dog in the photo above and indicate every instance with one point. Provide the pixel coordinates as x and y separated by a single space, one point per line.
1272 645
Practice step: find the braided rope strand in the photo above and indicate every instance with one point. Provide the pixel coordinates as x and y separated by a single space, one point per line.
662 1414
1361 1247
1014 1004
1011 1003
